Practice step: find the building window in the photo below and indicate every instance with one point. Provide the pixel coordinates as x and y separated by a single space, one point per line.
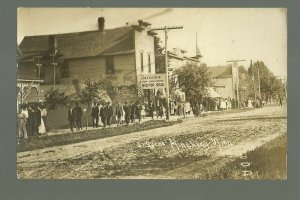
142 63
149 63
110 65
65 70
40 71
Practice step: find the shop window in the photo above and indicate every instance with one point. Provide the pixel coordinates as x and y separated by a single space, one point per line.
142 62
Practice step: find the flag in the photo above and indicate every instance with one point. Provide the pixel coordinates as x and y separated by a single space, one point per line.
140 91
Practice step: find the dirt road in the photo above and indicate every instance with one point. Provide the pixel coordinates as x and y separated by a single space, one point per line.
187 150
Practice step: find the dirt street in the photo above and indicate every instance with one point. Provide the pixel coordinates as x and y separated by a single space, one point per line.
182 151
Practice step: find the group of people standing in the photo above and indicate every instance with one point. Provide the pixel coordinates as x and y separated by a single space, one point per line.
32 121
123 114
74 117
104 112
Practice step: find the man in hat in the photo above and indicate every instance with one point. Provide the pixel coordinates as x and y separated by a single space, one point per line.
133 112
71 117
95 115
151 109
109 113
78 115
119 113
127 110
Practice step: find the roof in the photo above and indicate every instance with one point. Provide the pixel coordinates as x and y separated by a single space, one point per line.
212 93
82 44
220 71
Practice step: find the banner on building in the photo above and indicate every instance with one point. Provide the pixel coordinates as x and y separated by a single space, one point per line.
152 81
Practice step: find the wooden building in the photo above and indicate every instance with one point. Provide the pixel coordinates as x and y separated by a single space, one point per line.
116 56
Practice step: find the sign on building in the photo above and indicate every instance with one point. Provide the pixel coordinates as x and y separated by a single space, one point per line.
152 81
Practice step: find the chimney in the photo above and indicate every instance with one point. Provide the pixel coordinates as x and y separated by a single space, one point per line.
52 42
101 23
143 25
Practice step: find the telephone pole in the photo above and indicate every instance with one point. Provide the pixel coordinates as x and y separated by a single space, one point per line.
235 64
254 89
166 29
258 81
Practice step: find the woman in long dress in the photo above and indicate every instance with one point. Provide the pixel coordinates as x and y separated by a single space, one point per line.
42 128
22 124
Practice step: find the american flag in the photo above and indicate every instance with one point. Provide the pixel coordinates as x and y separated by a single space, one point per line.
140 91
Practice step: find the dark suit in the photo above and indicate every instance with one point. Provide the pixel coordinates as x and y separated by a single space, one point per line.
151 109
95 116
78 115
127 110
104 114
133 113
109 114
71 118
138 112
34 118
119 113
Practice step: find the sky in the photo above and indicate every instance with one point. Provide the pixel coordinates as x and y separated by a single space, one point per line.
223 34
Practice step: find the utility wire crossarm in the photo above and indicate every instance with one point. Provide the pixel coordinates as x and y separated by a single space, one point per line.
166 29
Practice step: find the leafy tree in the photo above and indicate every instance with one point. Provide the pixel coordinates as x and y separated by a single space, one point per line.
159 56
54 99
193 80
270 86
92 91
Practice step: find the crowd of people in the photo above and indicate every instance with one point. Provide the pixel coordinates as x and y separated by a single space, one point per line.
103 114
32 118
219 104
32 121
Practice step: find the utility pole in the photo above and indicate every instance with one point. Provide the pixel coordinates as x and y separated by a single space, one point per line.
235 64
39 65
253 80
166 29
54 70
258 81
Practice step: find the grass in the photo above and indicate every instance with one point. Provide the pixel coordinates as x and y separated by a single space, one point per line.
70 138
266 162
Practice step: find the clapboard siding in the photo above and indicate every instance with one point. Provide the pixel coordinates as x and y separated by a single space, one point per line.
225 88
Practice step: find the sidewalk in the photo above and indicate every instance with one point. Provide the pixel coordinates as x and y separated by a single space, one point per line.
172 118
66 131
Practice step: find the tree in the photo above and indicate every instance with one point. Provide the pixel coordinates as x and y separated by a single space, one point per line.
159 56
193 80
92 91
54 99
270 86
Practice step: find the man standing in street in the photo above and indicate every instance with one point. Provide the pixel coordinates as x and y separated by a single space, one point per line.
103 114
151 109
71 117
127 111
95 115
109 113
78 115
119 113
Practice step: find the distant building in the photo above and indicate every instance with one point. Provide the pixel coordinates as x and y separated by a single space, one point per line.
225 81
178 59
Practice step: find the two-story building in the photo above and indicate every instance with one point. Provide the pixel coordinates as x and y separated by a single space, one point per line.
225 80
177 59
116 55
